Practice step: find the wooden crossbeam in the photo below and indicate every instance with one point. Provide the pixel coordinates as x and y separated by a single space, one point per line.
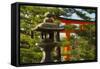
76 22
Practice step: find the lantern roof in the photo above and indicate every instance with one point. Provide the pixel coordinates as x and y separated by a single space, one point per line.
49 27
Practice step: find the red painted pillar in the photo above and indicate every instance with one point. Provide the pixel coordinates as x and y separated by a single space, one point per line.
67 48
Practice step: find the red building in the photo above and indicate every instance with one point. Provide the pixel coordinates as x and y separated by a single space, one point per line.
78 24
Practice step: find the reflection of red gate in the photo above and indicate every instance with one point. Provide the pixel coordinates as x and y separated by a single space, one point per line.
81 27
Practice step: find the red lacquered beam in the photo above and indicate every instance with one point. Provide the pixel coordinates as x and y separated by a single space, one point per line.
76 22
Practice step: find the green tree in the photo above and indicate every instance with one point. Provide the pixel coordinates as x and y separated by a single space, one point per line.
31 16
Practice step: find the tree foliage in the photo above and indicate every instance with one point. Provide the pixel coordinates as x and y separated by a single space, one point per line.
31 16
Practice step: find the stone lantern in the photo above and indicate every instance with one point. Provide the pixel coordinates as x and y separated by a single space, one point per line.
50 39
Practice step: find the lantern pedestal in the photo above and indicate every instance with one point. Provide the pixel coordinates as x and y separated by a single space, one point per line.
47 45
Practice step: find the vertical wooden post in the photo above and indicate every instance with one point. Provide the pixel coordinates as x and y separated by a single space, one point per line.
67 56
58 51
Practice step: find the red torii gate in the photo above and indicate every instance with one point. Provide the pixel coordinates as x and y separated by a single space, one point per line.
70 22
